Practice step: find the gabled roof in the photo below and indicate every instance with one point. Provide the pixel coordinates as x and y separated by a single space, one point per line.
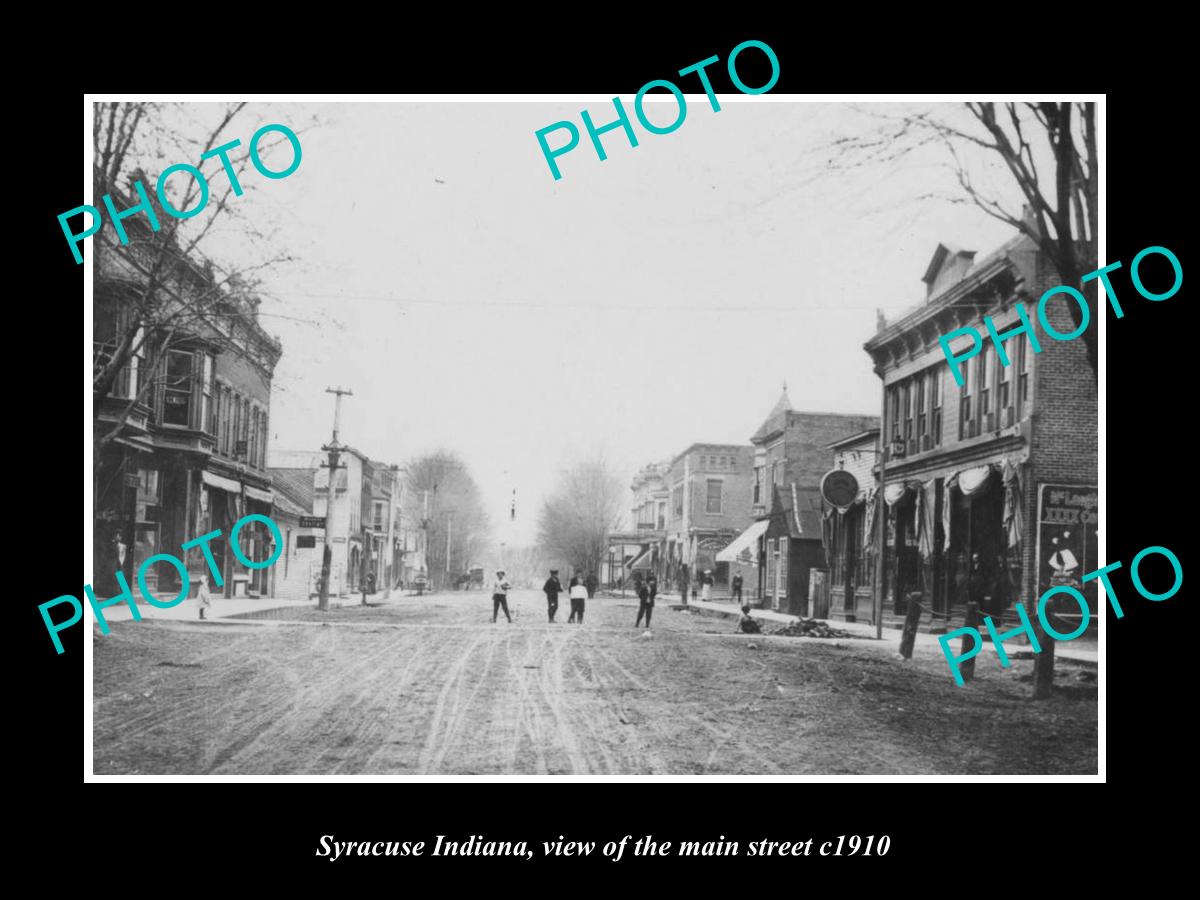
940 255
800 508
296 485
776 420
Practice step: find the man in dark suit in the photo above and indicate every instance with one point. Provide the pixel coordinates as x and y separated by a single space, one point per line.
552 588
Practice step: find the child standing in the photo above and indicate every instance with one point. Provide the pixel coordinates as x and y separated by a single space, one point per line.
579 594
203 599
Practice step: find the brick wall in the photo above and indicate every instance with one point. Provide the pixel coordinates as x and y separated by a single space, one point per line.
807 442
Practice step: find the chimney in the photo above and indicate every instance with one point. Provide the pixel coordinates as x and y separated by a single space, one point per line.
1030 219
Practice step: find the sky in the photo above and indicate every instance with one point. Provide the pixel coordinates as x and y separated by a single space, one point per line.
638 305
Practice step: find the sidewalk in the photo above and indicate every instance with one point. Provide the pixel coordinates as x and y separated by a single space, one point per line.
1085 653
223 608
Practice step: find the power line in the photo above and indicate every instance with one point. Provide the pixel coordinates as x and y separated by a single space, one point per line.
528 304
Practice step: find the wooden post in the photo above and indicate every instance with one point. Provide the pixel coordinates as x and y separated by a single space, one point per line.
1043 663
966 668
909 636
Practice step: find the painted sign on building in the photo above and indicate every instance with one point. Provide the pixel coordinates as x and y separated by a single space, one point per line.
1066 542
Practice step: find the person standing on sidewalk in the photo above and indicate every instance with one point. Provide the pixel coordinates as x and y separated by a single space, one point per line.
735 587
706 585
579 595
552 588
500 596
652 584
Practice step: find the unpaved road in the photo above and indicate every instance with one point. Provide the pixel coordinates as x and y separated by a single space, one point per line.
432 686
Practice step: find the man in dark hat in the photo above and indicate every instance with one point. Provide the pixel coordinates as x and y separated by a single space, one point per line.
552 588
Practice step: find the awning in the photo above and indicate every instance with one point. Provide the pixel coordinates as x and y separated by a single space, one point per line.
256 494
638 558
743 541
219 481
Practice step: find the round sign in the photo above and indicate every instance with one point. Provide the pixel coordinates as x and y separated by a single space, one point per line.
839 488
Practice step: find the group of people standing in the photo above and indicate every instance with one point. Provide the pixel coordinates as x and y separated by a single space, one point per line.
578 596
552 588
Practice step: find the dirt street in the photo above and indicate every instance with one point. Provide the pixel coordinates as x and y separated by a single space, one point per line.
432 686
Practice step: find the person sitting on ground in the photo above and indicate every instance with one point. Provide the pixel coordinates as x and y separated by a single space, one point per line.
747 625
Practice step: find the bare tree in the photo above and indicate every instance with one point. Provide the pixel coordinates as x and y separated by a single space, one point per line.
456 525
158 288
577 518
1048 151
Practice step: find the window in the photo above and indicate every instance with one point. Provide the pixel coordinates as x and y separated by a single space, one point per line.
662 516
964 410
378 516
922 401
777 472
894 410
244 433
1003 392
262 440
714 497
909 404
758 485
677 500
252 439
227 414
177 388
783 567
208 411
986 375
1025 352
935 422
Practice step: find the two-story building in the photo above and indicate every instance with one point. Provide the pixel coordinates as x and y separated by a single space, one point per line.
709 505
181 433
983 484
651 496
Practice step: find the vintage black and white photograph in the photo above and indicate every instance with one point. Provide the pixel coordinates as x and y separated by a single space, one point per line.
514 437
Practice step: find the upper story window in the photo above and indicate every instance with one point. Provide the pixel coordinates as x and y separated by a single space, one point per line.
758 485
922 394
662 516
677 500
713 506
987 378
1024 361
935 419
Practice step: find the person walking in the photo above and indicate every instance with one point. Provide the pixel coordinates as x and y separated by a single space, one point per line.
652 584
579 595
552 588
500 596
706 585
645 604
735 587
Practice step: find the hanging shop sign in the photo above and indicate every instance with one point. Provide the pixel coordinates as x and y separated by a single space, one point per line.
839 488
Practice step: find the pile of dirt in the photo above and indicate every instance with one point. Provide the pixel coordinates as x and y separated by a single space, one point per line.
813 628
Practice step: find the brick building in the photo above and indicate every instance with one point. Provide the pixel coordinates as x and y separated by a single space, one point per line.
181 433
792 453
710 493
985 483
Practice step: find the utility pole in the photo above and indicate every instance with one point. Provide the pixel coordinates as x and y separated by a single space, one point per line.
334 449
